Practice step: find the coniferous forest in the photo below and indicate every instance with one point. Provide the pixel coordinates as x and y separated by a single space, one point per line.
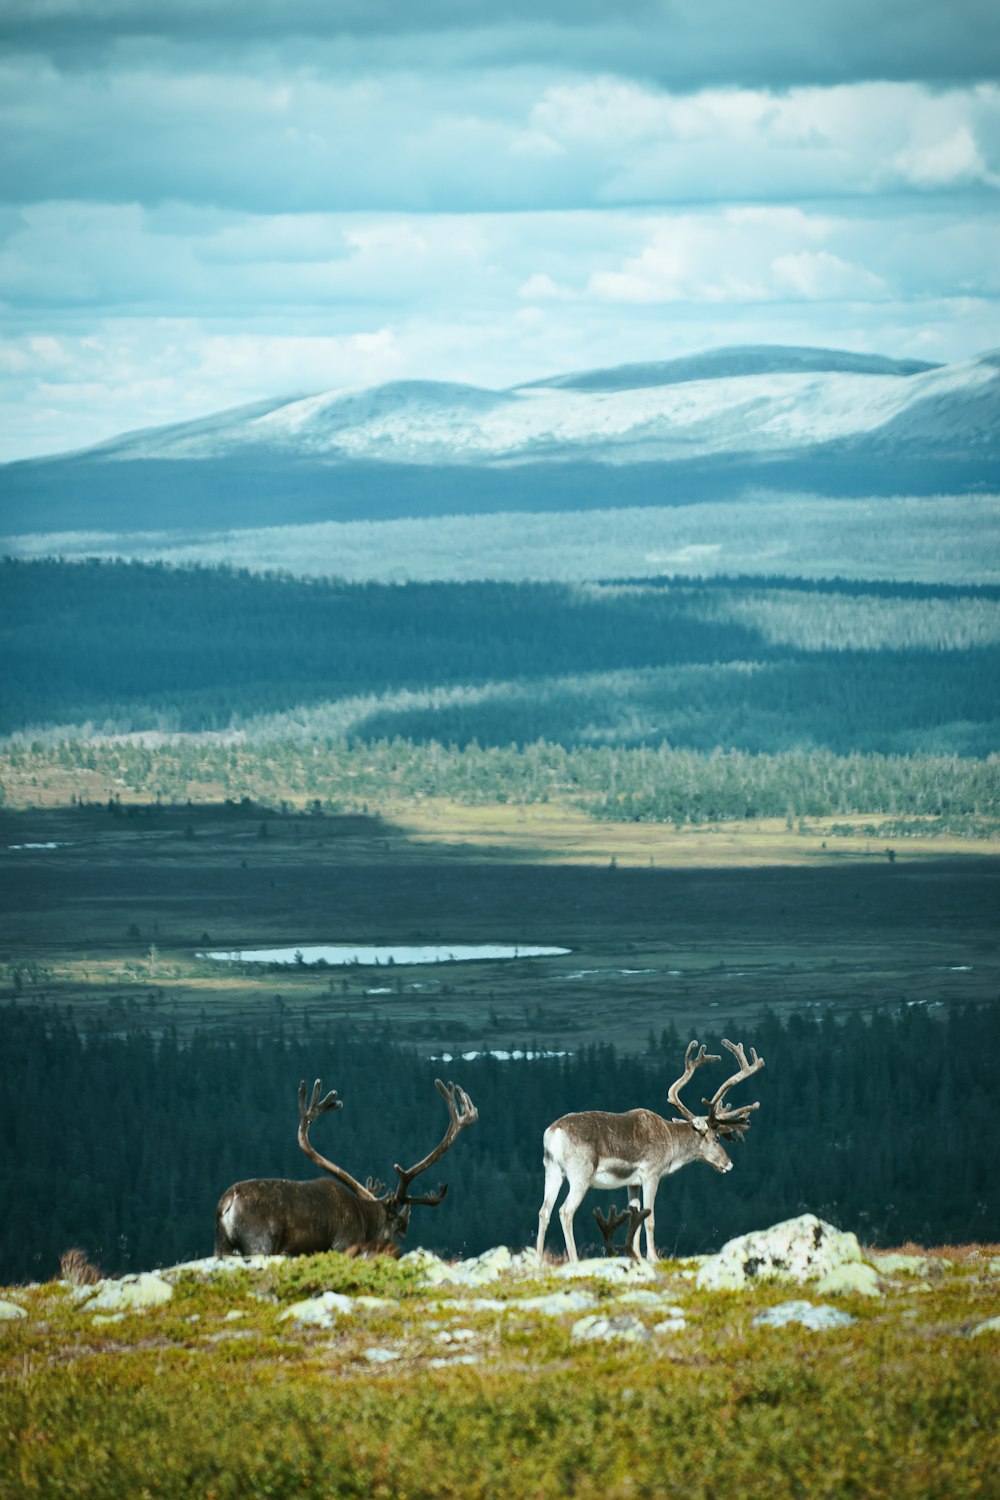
122 1143
760 665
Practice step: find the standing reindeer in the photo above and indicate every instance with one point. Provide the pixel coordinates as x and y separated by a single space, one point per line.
274 1216
597 1149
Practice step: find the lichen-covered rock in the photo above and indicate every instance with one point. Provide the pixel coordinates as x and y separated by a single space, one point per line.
219 1265
676 1324
572 1300
9 1312
799 1250
319 1312
610 1327
854 1276
607 1270
818 1319
893 1264
436 1272
132 1293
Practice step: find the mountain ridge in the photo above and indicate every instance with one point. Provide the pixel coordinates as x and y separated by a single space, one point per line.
701 427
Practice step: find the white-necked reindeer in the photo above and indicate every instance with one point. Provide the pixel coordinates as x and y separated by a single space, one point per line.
275 1216
634 1150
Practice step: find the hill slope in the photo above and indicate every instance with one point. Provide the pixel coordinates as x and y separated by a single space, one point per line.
699 428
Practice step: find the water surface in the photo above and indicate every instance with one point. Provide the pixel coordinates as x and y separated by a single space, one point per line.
336 954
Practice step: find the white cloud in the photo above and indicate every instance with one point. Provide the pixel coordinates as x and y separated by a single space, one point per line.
199 225
818 275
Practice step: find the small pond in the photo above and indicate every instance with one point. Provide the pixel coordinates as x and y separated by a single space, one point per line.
336 954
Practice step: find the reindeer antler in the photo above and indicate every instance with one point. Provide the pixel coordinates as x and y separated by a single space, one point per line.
734 1123
691 1062
462 1113
635 1216
307 1114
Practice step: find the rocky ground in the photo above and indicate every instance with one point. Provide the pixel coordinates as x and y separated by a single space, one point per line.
882 1358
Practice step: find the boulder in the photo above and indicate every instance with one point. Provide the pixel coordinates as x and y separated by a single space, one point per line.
607 1270
610 1328
807 1314
854 1276
893 1264
133 1293
9 1311
319 1312
572 1300
489 1266
798 1250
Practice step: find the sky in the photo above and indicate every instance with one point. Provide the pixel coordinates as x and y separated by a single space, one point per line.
207 202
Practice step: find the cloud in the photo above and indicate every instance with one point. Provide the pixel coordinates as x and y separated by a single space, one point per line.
683 44
266 138
204 202
748 255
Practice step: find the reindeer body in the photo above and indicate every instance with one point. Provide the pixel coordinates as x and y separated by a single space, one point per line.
635 1150
274 1216
278 1216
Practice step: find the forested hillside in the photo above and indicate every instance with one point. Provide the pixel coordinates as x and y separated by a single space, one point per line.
754 664
867 1124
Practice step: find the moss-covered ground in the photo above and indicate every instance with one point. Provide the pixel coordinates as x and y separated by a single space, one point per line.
463 1391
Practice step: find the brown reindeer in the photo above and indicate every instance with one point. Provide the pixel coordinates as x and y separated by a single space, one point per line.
275 1216
634 1150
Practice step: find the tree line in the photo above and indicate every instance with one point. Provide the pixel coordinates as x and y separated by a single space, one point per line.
644 784
121 1142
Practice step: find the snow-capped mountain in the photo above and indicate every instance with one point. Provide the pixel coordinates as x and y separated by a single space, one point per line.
747 402
701 427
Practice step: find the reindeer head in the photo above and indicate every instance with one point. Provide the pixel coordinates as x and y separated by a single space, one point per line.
720 1123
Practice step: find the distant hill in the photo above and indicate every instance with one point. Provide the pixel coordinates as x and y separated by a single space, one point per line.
695 429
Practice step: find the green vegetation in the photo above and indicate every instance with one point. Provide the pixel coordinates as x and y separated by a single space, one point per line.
870 1124
215 1393
663 785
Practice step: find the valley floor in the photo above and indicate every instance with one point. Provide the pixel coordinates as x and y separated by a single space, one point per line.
107 911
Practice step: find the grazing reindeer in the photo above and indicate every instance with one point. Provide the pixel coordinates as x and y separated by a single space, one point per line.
273 1216
596 1149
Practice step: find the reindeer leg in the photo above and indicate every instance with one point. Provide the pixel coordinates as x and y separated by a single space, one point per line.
568 1207
649 1187
553 1182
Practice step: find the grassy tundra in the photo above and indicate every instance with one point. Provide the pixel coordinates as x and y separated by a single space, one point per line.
217 1392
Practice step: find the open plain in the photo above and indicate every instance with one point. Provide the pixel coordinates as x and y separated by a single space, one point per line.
105 909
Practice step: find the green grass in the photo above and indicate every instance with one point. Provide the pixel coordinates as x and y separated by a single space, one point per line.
184 1400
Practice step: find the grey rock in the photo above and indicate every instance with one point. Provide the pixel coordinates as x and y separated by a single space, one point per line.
572 1300
609 1328
134 1293
798 1250
604 1269
807 1314
670 1325
319 1312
